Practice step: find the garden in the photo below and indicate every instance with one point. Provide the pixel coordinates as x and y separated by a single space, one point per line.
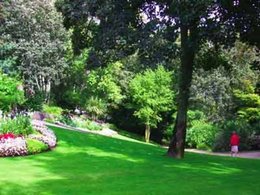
67 73
108 97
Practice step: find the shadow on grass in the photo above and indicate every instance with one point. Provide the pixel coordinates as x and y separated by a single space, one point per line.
92 164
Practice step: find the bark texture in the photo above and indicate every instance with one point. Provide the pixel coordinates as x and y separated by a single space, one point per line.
177 143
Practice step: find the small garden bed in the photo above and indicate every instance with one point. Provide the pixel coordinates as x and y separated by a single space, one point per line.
21 136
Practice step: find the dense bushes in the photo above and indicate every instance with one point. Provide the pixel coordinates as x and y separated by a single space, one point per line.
201 135
216 137
66 119
52 110
246 132
11 92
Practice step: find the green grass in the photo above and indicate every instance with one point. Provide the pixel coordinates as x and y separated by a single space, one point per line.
92 164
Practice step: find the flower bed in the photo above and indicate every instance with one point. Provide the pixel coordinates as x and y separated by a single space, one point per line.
20 145
13 147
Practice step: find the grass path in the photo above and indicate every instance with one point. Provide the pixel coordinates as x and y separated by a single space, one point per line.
94 164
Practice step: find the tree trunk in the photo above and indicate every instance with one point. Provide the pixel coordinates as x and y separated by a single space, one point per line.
177 144
47 90
147 133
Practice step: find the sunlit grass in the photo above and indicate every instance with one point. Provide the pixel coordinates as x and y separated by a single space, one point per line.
92 164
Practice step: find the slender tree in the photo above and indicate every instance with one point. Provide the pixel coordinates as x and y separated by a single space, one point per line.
151 94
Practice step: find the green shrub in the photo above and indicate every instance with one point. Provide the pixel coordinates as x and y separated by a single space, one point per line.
87 124
35 146
195 115
50 120
35 102
81 122
96 107
201 135
94 126
167 134
21 125
11 92
112 126
66 119
52 110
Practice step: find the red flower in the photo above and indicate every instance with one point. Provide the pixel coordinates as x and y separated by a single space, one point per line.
7 135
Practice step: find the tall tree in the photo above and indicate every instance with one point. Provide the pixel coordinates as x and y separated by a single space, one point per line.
35 30
197 22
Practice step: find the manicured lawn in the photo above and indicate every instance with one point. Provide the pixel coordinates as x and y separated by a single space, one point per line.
92 164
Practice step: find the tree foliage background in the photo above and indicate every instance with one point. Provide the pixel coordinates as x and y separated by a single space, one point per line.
34 43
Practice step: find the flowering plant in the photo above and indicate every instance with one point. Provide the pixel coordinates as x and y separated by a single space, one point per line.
12 145
7 136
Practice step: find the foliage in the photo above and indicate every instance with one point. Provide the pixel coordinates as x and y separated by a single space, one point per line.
7 60
244 130
151 94
96 107
34 102
35 30
221 78
244 15
68 93
103 91
87 124
103 83
52 110
66 119
94 126
10 95
201 135
20 125
195 115
118 29
167 134
248 106
35 146
210 57
97 18
211 93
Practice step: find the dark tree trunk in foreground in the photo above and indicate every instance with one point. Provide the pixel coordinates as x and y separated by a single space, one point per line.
177 144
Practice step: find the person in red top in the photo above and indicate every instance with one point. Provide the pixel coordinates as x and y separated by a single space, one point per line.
234 143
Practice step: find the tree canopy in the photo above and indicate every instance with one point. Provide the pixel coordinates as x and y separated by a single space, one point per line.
151 94
119 27
34 30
